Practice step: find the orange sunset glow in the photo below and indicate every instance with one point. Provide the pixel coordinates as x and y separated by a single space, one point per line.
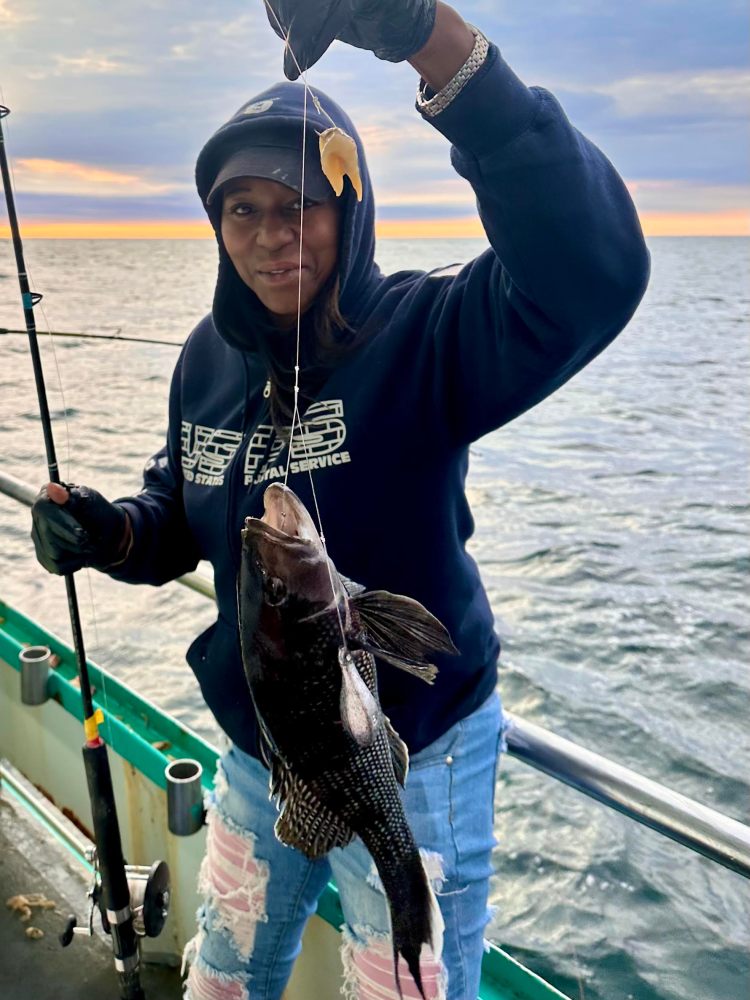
728 223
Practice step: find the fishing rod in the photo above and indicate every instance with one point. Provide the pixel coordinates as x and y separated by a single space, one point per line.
115 892
97 336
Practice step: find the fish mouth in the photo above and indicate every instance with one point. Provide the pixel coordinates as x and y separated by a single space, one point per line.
286 548
285 519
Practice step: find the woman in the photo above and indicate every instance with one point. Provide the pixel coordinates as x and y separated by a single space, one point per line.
398 375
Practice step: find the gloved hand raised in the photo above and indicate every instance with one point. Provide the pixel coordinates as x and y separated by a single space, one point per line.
392 29
74 526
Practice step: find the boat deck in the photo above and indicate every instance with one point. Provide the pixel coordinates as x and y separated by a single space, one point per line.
39 853
33 861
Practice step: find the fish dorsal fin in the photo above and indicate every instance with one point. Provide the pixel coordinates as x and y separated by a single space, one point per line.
304 822
360 712
399 752
401 631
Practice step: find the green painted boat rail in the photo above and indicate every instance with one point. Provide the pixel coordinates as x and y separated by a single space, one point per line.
701 829
133 727
148 739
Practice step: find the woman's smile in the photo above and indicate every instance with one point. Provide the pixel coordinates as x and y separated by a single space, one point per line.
277 274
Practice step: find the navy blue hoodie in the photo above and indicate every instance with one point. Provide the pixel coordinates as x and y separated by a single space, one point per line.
449 356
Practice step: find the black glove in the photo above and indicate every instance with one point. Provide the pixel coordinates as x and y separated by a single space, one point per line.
87 530
392 29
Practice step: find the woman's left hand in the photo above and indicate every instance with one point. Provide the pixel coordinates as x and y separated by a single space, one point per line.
392 29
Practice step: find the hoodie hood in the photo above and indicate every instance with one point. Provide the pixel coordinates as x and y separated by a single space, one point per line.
238 315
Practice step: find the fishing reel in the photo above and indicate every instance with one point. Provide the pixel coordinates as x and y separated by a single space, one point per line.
149 901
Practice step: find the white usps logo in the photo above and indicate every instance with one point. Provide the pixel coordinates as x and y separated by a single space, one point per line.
321 436
323 429
257 450
207 451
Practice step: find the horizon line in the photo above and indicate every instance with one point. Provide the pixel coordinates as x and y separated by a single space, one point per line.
726 223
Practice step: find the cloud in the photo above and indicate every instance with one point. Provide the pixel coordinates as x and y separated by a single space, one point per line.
597 40
379 137
659 85
399 147
681 96
92 63
664 125
55 177
210 40
445 197
10 14
677 195
433 195
89 63
35 206
178 62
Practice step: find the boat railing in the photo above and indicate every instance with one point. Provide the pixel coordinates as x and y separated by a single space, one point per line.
700 828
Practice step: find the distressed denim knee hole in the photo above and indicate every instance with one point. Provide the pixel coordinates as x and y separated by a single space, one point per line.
233 883
367 960
207 983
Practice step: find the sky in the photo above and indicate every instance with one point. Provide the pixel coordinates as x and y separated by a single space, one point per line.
111 103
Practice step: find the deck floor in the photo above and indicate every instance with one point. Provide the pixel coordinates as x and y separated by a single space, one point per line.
32 861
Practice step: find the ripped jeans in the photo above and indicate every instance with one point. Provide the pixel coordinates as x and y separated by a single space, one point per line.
258 894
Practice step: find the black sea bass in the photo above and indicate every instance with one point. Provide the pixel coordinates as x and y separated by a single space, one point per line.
309 639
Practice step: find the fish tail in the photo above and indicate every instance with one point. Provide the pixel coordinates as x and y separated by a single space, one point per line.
415 916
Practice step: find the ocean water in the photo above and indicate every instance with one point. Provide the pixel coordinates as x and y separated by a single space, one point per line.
611 530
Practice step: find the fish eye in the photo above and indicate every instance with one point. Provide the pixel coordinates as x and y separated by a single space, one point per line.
275 591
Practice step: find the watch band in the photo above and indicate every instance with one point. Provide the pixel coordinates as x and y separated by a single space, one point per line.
432 106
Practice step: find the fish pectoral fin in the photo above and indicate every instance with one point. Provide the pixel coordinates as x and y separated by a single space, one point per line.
425 671
304 821
360 712
401 627
266 744
399 752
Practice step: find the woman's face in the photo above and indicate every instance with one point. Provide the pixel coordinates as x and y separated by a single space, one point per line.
260 227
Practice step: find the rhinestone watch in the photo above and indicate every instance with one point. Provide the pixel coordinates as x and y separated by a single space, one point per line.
432 106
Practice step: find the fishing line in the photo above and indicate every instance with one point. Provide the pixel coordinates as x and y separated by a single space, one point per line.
296 414
99 336
59 383
579 974
295 411
315 100
323 541
96 643
113 884
89 580
296 418
32 284
46 327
